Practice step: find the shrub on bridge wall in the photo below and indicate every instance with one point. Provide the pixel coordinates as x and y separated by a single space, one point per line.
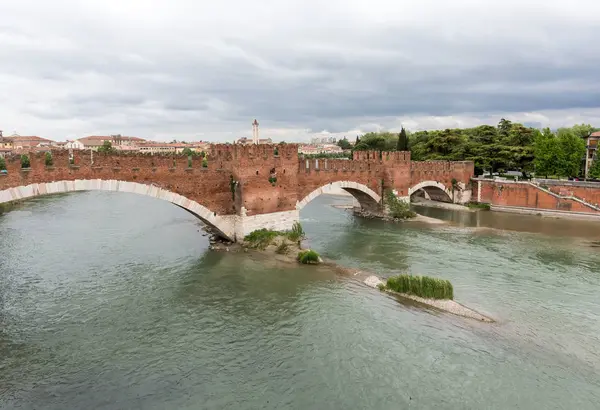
25 163
2 164
48 159
422 286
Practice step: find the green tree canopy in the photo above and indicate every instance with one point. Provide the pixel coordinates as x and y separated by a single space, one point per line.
546 151
344 143
594 171
187 151
106 147
571 153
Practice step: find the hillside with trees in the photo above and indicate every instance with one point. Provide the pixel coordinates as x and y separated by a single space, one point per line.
507 146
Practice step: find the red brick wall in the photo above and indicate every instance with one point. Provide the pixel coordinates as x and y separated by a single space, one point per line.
526 196
207 186
251 165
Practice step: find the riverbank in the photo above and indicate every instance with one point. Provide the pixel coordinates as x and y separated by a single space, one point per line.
442 205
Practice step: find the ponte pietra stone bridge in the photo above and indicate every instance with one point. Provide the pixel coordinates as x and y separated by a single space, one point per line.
244 187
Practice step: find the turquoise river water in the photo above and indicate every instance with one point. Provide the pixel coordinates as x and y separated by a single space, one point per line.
113 301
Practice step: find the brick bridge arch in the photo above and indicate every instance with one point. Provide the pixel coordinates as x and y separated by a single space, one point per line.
221 224
434 189
366 197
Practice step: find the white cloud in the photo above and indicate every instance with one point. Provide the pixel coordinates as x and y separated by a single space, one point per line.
189 69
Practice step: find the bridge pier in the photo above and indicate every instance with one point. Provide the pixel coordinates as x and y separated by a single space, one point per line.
276 221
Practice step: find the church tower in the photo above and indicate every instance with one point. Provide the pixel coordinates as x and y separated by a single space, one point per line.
255 138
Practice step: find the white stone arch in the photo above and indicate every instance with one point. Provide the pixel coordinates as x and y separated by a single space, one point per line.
223 224
427 184
331 187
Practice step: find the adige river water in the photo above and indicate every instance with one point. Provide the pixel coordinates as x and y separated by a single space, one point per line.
112 301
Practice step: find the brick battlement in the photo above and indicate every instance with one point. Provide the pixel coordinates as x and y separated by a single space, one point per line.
240 180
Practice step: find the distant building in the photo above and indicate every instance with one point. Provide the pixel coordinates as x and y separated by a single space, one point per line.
319 149
74 145
591 150
163 147
323 140
27 142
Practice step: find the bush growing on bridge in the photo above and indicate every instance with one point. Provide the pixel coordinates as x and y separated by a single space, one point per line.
2 164
25 163
204 163
397 208
422 286
308 257
48 159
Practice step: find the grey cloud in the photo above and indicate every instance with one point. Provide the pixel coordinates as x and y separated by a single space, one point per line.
172 72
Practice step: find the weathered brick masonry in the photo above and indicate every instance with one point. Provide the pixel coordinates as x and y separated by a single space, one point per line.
244 186
559 197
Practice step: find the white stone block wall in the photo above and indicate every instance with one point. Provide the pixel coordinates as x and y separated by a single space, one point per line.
277 221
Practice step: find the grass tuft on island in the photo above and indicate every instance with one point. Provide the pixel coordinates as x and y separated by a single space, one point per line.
421 286
308 257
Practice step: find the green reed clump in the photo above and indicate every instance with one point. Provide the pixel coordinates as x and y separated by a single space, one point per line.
297 233
308 257
261 238
422 286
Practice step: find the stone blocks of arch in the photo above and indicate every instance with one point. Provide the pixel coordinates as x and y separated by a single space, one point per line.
332 187
461 197
224 224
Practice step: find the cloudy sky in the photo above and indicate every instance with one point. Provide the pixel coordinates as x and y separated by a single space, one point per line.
197 69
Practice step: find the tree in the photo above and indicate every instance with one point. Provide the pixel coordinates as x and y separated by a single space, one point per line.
187 151
594 171
357 141
504 127
582 130
402 141
106 147
48 159
2 164
572 152
344 143
546 152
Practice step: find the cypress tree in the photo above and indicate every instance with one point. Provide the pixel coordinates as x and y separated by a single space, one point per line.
402 144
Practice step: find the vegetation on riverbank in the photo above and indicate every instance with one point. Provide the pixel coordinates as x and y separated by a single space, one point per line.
422 286
396 208
478 205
